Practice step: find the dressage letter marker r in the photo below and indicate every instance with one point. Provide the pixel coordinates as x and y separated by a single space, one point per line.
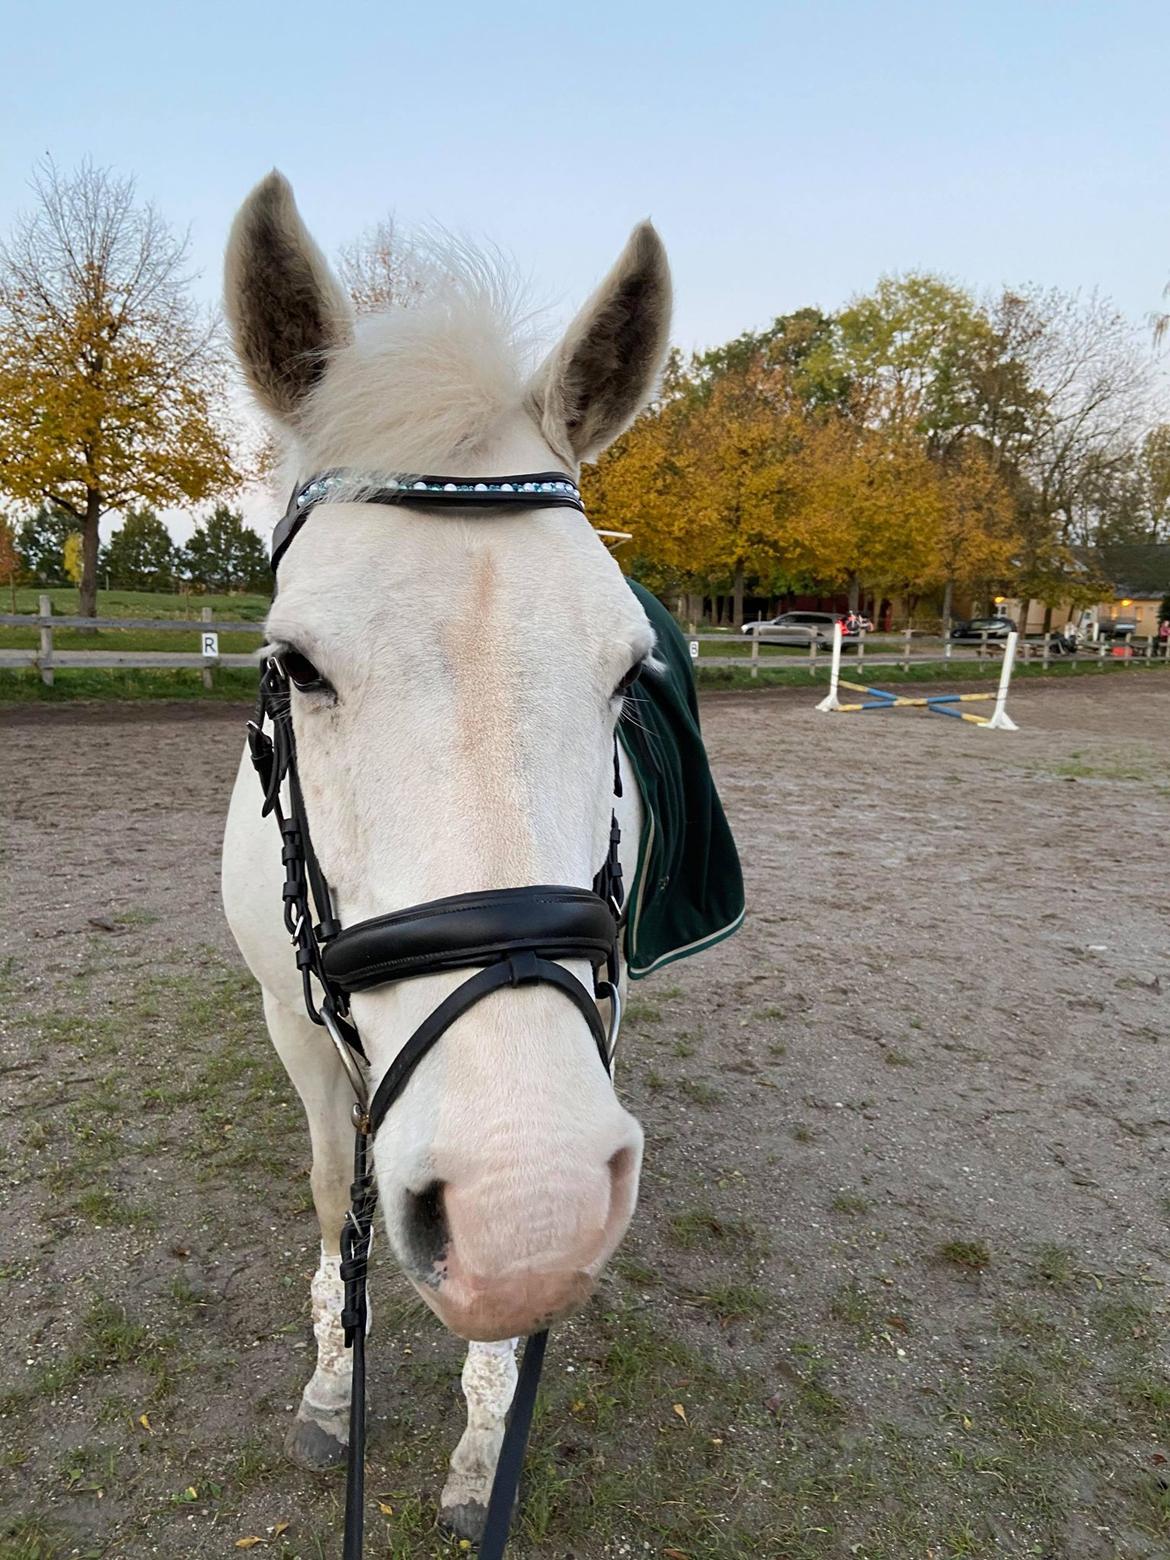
210 651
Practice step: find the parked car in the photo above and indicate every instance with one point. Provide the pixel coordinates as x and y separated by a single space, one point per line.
975 628
801 628
1118 628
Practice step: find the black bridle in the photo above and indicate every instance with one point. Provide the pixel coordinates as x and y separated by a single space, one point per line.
508 936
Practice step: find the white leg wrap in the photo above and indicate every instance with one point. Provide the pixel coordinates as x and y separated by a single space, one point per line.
489 1380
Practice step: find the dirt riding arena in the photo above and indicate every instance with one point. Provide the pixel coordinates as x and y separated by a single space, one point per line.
897 1285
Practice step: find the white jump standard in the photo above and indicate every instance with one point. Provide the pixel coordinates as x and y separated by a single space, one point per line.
937 703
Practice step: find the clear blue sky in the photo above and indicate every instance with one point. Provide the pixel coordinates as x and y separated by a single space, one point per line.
789 152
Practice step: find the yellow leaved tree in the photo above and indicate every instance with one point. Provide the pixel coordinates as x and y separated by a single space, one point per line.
112 381
72 557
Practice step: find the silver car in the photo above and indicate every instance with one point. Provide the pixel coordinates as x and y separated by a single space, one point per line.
801 628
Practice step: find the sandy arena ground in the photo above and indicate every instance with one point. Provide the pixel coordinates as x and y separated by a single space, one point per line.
897 1286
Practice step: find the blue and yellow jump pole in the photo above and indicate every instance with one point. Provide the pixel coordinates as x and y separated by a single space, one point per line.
936 703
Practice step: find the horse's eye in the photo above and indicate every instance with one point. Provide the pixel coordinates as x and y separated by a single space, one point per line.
629 679
301 672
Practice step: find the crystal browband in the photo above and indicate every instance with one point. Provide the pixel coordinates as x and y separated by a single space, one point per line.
532 490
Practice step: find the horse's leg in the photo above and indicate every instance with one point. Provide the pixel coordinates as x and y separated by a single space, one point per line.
320 1433
489 1380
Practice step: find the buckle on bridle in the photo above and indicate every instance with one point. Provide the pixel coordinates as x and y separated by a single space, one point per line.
606 990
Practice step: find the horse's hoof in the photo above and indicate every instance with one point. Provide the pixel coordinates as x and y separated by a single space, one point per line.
310 1446
465 1520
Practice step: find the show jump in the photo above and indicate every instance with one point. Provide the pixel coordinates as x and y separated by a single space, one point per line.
938 703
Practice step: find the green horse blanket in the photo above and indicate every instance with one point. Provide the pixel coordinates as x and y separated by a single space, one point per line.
687 892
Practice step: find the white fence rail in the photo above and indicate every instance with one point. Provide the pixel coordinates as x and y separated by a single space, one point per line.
46 658
904 650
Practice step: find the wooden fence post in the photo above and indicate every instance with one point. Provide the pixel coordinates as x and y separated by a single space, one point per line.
1047 650
756 654
45 658
906 652
206 674
860 648
812 656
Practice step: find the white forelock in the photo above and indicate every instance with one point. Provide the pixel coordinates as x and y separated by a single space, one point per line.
428 382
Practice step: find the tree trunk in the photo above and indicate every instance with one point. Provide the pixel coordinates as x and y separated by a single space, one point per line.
737 598
1047 629
854 592
89 552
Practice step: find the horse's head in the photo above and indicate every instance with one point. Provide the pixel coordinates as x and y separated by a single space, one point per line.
460 679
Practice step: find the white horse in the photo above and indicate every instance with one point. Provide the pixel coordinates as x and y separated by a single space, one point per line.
462 740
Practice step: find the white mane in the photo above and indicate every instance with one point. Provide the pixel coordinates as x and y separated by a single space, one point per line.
426 382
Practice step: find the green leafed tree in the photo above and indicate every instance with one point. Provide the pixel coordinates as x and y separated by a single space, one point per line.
112 380
224 554
40 541
140 555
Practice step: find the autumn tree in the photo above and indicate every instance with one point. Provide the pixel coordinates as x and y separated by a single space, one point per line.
111 379
381 269
11 567
976 540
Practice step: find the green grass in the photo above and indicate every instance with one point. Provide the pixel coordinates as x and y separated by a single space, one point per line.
941 674
972 1255
703 1227
850 1202
24 686
241 607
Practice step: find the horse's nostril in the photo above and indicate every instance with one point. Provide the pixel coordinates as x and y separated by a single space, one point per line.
424 1225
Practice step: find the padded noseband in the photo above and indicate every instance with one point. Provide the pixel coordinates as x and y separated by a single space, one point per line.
471 929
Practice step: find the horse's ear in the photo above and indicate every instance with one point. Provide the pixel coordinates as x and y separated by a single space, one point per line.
285 308
599 378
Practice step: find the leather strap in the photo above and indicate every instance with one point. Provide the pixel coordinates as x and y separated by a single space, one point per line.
522 969
511 1459
471 929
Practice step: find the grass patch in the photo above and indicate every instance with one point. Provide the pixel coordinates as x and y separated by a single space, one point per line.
732 1302
1053 1266
242 606
24 686
702 1227
698 1092
30 1539
971 1255
850 1202
942 674
101 1206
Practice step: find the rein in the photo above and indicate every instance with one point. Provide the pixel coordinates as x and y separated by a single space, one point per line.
509 937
